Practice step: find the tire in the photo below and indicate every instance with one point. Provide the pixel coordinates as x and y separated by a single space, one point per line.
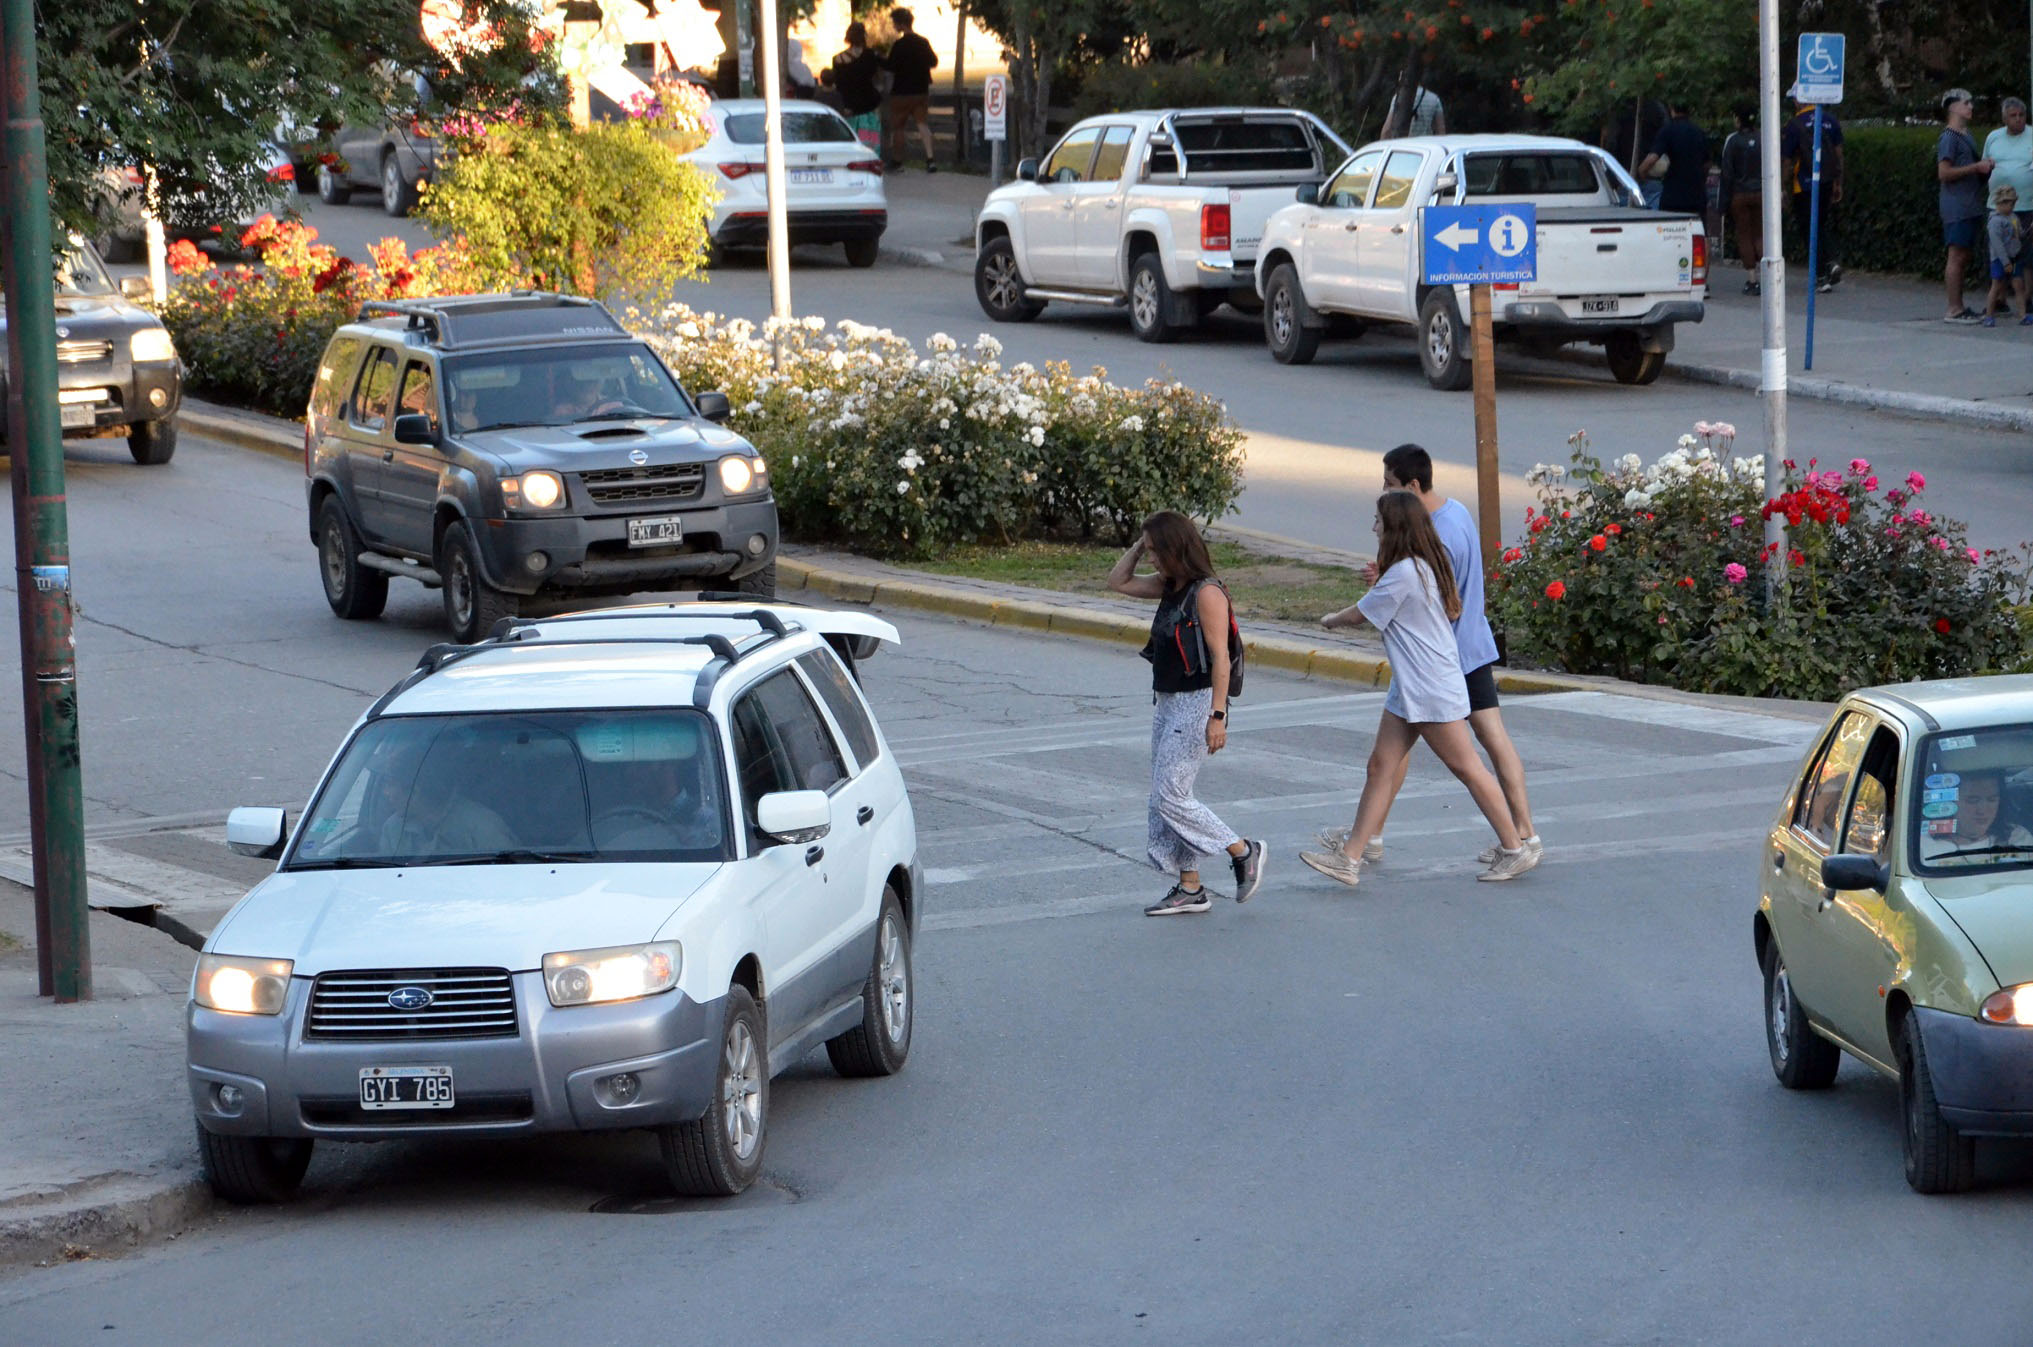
1939 1159
153 443
1150 301
303 175
1285 317
355 592
1630 362
760 583
472 606
862 252
1443 350
333 190
1801 1058
117 247
720 1153
999 285
254 1171
399 196
879 1045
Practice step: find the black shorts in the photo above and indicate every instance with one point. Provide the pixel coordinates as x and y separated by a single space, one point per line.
1482 688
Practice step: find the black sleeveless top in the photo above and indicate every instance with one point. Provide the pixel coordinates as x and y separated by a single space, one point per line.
1168 663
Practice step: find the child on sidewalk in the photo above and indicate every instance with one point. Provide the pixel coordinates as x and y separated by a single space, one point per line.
2008 270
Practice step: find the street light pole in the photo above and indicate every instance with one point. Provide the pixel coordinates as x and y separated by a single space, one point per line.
1772 282
773 163
42 572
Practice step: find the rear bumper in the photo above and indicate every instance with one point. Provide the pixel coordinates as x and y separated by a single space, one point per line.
1544 317
750 229
1983 1073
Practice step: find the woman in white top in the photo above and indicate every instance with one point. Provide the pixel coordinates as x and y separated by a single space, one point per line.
1413 604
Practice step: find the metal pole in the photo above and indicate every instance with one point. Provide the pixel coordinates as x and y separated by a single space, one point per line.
1772 281
773 164
1483 375
961 138
41 530
1813 241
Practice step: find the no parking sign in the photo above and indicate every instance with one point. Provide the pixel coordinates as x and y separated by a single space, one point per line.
995 108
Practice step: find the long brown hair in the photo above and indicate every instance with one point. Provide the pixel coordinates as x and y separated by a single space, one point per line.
1406 530
1177 548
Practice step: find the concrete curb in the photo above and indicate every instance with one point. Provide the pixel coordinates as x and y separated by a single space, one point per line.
243 430
133 1209
913 256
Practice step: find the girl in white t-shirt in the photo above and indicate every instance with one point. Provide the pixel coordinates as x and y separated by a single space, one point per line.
1413 605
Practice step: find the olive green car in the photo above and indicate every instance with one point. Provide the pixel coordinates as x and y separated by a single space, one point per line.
1896 917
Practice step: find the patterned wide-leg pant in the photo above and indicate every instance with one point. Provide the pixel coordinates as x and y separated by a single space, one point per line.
1182 829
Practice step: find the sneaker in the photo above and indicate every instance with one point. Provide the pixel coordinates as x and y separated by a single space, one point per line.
1334 839
1334 865
1990 320
1178 900
1823 286
1488 855
1963 316
1510 864
1249 871
1752 288
1835 273
931 167
2026 320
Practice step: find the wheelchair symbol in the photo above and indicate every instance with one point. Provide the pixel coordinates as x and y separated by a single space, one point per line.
1817 60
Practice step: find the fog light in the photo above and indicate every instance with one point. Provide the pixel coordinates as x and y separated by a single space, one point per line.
757 545
157 398
623 1089
536 562
227 1097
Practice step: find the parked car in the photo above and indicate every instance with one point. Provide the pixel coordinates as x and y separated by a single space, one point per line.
833 183
393 158
1896 915
505 446
117 368
1156 212
1610 273
122 234
609 870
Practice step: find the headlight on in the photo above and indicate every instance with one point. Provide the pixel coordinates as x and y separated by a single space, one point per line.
533 491
151 343
242 986
2008 1005
738 473
620 973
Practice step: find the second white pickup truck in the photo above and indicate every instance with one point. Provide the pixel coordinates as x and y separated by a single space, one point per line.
1610 272
1156 212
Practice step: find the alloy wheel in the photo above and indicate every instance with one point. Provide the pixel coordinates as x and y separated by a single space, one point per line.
1778 1011
1143 301
894 979
391 183
332 551
741 1093
1004 289
1440 340
1281 315
458 581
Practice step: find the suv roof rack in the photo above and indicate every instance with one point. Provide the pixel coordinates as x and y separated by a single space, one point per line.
519 316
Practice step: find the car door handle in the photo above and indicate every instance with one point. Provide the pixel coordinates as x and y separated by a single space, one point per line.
865 815
1778 860
1350 228
1397 229
388 456
1067 205
813 855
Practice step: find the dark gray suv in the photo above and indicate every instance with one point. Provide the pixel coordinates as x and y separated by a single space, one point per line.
503 447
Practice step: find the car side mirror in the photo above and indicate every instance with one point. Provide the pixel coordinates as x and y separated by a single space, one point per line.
414 428
1445 183
1307 194
795 815
715 407
1850 873
1027 170
257 831
136 287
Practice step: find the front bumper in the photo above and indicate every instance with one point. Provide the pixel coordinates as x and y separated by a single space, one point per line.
106 396
550 1077
750 229
1983 1073
589 554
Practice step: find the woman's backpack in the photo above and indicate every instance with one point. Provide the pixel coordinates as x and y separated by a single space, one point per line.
1192 641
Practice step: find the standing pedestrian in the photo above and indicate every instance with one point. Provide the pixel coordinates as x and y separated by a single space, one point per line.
1429 114
910 63
1629 135
852 76
1413 604
2010 150
1743 193
1961 173
1796 147
1680 154
2008 272
1188 651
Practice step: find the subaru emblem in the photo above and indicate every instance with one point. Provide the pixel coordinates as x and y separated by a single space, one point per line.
637 457
409 998
63 332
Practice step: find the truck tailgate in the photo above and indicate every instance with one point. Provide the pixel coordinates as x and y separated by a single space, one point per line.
1599 264
1249 210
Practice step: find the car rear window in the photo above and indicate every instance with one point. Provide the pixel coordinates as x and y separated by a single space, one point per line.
1239 147
1530 175
800 128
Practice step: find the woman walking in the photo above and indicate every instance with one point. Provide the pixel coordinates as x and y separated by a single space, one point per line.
1188 651
1414 604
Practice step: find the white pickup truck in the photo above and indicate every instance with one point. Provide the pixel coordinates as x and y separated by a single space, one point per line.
1159 212
1610 272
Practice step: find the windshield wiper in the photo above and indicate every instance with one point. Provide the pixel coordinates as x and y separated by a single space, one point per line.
2021 850
348 863
508 425
627 411
511 856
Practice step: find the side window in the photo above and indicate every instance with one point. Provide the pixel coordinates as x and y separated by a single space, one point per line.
1351 186
1395 187
1868 829
1114 154
1816 811
419 393
335 375
763 766
1069 162
837 691
376 392
814 758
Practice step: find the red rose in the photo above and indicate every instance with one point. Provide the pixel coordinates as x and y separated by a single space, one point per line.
1685 582
1613 529
1598 542
1556 590
1514 554
1941 624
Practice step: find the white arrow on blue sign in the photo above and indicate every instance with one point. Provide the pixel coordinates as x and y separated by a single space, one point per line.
1478 245
1817 73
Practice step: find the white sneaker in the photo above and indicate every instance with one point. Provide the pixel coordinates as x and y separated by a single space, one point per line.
1510 864
1335 865
1488 855
1336 838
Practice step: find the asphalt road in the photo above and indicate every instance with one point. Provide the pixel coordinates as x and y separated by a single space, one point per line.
1430 1110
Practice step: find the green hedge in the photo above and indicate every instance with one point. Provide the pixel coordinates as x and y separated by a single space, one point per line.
1890 216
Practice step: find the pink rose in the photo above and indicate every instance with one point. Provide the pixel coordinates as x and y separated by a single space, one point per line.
1870 483
1736 521
1860 466
1973 557
1735 573
1916 481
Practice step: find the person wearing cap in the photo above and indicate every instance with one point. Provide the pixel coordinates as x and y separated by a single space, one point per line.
1796 147
1961 173
2008 242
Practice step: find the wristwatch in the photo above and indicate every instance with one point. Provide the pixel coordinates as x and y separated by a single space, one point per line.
1217 715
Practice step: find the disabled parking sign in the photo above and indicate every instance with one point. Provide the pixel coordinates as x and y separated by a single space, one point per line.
1817 73
1479 245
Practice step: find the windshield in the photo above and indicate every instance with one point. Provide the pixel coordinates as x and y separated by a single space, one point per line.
631 785
549 387
78 272
1973 808
800 128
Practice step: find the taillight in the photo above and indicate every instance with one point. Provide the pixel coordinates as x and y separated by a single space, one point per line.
1214 228
738 170
1503 285
1701 259
867 166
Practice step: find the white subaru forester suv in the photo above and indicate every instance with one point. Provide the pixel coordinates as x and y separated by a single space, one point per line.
607 870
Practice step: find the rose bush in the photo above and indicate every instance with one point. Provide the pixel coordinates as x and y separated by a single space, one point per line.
1656 572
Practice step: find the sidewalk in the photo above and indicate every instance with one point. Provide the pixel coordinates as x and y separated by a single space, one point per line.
931 217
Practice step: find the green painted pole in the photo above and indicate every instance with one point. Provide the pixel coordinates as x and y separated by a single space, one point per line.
42 547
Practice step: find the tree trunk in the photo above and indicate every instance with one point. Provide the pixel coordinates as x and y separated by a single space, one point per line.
961 130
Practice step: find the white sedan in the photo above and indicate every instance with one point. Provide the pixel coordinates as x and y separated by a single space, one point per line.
833 187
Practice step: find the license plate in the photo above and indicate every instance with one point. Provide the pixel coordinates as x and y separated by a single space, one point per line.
656 532
1603 304
77 414
811 175
405 1087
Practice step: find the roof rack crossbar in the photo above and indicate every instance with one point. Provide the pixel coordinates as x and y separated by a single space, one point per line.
439 657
